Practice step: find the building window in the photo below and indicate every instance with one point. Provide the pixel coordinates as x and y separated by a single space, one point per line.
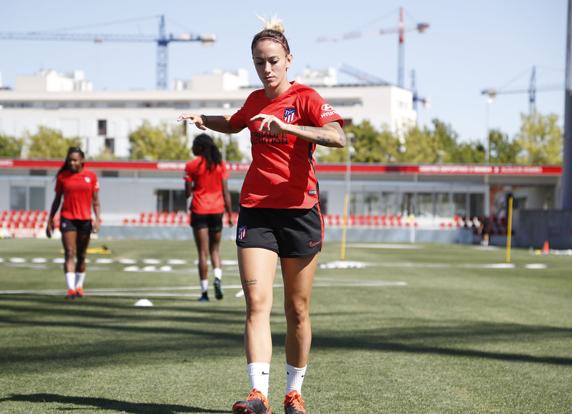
425 205
27 198
477 204
110 145
171 201
442 205
102 127
460 205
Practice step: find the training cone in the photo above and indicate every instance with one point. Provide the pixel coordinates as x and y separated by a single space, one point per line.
546 247
143 303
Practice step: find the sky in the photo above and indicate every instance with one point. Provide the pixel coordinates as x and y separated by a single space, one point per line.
470 45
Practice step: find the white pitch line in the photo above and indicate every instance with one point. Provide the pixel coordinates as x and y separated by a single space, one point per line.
385 246
17 260
535 266
39 260
127 261
164 291
151 261
176 262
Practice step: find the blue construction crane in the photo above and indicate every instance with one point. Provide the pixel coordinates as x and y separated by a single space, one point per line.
162 41
532 89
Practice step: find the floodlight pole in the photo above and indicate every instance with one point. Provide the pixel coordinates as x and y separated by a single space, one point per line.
347 195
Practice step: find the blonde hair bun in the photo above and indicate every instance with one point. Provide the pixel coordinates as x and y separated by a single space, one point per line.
272 23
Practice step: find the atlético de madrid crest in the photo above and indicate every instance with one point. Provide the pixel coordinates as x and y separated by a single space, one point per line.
289 114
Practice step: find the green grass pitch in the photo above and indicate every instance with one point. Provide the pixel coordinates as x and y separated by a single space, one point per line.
433 329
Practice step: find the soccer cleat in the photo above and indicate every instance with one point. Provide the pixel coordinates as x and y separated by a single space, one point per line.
294 404
255 403
218 288
79 292
71 294
204 297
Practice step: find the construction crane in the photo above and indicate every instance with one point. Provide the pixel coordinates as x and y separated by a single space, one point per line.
416 98
401 29
162 40
492 93
365 77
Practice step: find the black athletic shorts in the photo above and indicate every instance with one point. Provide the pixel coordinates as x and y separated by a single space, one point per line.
81 226
211 221
288 232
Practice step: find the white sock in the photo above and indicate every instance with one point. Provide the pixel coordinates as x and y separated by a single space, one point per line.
70 280
79 279
294 378
259 376
217 272
204 285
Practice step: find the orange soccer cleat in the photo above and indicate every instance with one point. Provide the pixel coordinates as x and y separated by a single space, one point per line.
255 403
79 292
294 404
71 294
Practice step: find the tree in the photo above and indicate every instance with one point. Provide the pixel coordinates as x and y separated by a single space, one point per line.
502 149
158 143
10 147
419 147
369 145
472 152
231 151
540 138
50 143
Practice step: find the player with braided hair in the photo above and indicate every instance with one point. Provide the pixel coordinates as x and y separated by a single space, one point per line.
206 181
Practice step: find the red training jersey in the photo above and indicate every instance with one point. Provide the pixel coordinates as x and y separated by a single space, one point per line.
207 186
282 174
77 189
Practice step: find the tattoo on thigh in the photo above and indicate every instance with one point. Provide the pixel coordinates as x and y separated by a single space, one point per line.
250 282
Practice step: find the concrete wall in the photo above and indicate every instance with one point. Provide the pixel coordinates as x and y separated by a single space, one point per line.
534 227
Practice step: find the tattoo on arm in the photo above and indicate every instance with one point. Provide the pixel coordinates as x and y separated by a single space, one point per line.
320 139
326 142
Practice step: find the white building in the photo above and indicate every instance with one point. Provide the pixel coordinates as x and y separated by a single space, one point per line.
104 119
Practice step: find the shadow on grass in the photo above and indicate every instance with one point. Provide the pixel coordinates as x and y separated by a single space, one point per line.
107 404
200 327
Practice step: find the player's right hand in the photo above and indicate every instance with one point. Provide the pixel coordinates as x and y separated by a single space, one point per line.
198 120
50 229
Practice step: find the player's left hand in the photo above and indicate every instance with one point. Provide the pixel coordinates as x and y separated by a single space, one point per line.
96 225
270 123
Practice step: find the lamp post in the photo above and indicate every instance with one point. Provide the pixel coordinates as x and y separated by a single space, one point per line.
350 150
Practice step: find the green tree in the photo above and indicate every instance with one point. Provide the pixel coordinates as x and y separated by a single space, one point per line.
10 147
502 149
50 143
472 152
445 140
158 143
419 147
231 151
438 144
369 146
541 140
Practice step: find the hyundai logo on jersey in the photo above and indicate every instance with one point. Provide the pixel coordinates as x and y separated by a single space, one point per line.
289 114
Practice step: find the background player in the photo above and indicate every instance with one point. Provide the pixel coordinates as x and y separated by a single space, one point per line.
79 188
206 180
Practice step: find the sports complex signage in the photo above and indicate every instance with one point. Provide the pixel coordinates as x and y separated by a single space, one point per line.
453 169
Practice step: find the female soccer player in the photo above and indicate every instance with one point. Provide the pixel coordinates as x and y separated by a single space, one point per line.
206 180
279 211
79 188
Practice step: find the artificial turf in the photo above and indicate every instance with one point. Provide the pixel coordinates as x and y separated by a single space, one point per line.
458 336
